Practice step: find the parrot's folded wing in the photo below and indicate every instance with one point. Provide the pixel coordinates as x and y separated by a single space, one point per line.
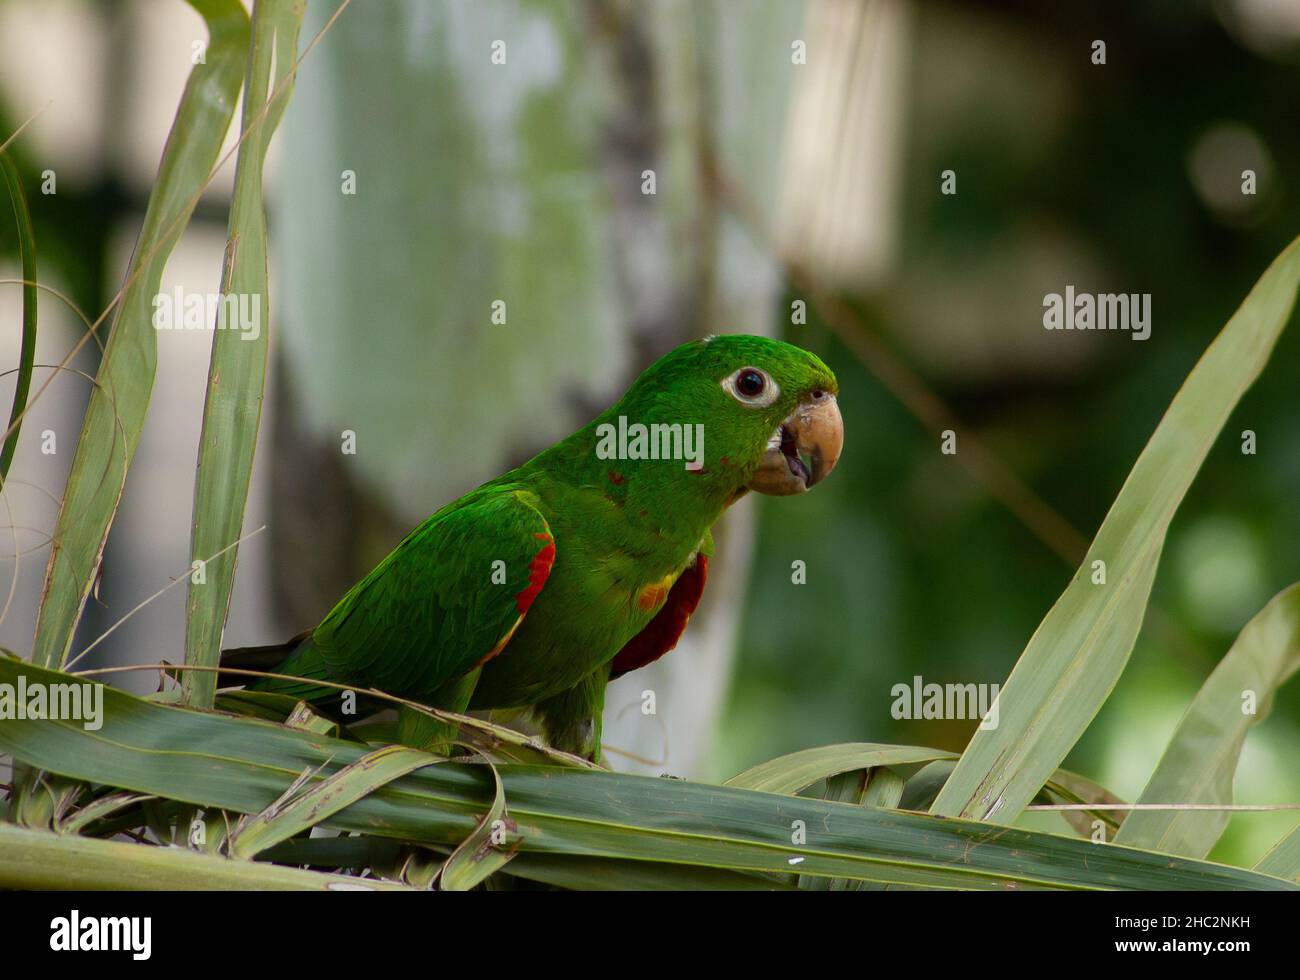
446 600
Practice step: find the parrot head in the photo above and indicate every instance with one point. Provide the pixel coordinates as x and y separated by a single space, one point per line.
771 422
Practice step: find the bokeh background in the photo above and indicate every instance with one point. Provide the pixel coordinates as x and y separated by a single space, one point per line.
797 149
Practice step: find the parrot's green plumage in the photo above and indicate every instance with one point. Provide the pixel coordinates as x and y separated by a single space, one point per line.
535 588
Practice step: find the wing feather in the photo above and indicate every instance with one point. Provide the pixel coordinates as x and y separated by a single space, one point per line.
446 599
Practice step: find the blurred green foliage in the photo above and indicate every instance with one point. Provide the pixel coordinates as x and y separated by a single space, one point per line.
912 568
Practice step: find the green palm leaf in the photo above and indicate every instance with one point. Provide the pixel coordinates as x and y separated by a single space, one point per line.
244 764
1078 652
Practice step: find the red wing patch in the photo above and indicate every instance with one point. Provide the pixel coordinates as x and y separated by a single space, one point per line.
538 569
662 633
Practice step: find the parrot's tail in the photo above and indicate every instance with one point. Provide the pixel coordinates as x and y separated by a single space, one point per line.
259 658
298 657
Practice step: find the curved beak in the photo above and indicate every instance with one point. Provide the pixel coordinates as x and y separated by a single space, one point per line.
803 450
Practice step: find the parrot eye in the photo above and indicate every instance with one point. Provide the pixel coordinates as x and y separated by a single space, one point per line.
753 387
750 384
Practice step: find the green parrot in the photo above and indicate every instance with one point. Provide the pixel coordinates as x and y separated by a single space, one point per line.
542 585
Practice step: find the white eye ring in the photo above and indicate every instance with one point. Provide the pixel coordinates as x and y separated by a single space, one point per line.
765 396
